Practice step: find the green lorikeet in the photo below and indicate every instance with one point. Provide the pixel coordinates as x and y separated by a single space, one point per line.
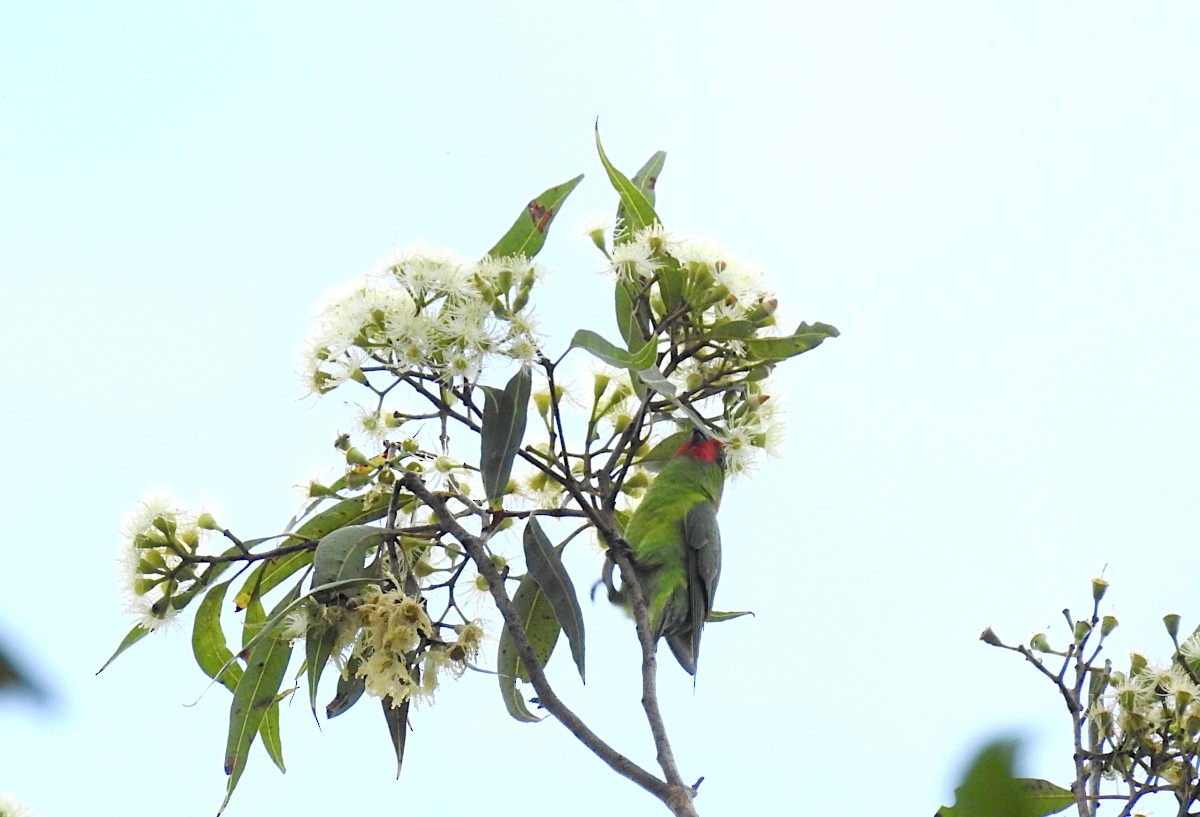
677 546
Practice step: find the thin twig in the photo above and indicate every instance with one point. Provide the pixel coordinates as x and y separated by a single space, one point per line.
547 698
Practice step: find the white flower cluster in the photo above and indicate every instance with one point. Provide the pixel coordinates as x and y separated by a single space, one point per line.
1140 707
392 644
425 311
651 247
156 532
732 293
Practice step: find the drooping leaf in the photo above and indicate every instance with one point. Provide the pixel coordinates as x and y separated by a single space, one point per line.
396 718
132 637
989 789
266 666
805 337
501 432
252 623
208 640
718 615
535 613
528 233
341 554
614 355
350 688
318 646
289 603
639 212
546 568
272 739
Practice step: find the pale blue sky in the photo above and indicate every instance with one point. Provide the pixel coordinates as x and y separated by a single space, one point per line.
995 203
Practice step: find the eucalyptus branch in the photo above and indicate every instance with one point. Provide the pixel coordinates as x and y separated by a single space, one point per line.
547 697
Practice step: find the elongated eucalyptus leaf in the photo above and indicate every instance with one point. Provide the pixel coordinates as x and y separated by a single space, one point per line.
633 314
639 212
655 379
805 337
546 568
318 646
269 729
132 637
501 432
614 355
396 718
342 553
350 688
528 233
266 666
534 611
646 179
272 572
208 640
289 603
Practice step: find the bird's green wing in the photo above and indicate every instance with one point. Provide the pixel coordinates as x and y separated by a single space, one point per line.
702 539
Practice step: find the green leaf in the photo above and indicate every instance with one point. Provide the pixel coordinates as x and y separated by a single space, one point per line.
528 233
318 646
653 377
273 572
718 615
633 315
208 640
639 212
989 789
266 666
805 337
501 432
272 739
396 718
613 355
546 568
537 615
646 179
349 689
342 553
132 637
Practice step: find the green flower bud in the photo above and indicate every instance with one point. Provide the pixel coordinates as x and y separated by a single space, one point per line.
1107 625
989 636
316 489
541 401
1171 622
1137 663
1082 628
356 457
522 299
1040 643
206 522
600 383
597 236
1099 586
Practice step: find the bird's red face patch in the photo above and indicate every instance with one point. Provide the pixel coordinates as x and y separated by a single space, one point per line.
705 450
